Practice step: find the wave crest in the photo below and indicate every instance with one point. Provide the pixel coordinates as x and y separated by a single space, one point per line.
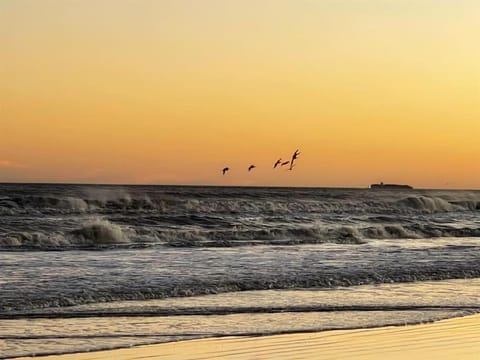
106 201
428 204
95 233
100 232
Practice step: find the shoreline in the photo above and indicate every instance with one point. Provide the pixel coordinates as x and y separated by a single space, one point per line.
455 338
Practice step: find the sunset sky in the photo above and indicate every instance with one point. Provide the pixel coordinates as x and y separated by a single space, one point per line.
170 92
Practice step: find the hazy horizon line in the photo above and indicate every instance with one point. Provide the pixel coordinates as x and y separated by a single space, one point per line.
367 187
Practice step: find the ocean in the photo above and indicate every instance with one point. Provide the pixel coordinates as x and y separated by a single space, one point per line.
89 267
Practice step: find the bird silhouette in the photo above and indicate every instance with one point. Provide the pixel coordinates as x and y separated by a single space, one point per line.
294 157
251 167
279 161
224 171
285 163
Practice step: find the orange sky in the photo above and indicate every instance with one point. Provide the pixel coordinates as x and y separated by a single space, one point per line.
170 92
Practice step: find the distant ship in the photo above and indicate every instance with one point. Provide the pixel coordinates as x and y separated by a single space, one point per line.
383 186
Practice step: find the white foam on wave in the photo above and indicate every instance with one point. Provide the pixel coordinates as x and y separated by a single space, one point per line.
95 232
428 204
393 231
101 231
92 199
74 203
34 240
105 195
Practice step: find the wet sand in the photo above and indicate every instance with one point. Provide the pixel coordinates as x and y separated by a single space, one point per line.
457 338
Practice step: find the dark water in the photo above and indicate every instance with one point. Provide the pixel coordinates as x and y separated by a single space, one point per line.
64 217
65 246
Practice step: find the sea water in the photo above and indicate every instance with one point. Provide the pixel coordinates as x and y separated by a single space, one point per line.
96 267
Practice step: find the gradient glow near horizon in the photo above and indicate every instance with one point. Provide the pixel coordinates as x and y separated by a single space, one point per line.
170 92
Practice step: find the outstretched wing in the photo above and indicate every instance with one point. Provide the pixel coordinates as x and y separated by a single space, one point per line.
294 157
291 161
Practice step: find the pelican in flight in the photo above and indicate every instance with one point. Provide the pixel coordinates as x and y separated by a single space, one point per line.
294 157
224 171
279 161
251 167
285 163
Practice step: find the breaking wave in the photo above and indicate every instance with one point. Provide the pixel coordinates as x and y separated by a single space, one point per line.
99 233
353 235
93 200
95 233
429 204
96 217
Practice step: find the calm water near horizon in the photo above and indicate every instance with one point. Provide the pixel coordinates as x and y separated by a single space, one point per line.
87 267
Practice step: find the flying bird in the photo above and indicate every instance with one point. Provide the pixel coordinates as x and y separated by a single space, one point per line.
294 157
285 163
279 161
224 171
251 167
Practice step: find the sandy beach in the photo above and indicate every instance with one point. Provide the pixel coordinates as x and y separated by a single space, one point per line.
447 339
